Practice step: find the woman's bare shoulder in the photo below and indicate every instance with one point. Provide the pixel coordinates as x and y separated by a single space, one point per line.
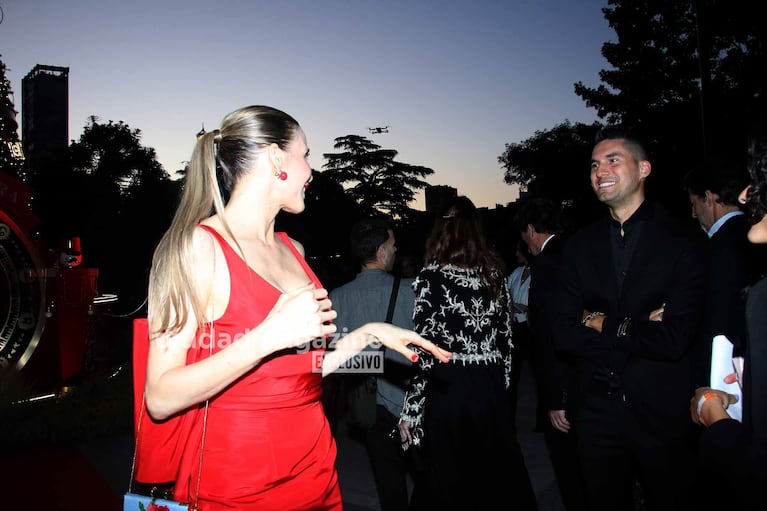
296 244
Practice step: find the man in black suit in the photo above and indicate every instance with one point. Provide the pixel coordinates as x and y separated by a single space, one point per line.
733 263
734 452
540 227
631 296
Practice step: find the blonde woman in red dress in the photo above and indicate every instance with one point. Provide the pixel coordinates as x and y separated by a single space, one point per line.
238 320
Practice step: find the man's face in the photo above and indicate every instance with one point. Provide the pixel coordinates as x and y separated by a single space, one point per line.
616 177
702 209
388 251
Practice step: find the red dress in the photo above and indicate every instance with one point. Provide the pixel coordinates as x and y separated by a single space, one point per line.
267 444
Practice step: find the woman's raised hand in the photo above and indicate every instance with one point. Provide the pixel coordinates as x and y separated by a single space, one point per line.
299 316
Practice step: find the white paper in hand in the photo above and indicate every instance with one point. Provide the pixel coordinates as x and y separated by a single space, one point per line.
721 366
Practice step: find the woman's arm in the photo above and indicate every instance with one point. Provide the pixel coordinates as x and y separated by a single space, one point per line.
391 336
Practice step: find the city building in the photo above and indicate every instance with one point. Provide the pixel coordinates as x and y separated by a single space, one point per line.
45 114
437 195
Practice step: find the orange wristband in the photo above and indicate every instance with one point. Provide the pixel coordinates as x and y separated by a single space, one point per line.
705 397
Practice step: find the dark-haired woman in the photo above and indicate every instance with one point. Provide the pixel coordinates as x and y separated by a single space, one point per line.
458 413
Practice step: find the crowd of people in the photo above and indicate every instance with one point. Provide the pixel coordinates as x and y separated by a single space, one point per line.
616 320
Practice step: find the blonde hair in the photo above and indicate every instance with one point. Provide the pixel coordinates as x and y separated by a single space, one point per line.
219 159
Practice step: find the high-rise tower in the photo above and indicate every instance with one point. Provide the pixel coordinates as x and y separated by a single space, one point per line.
45 114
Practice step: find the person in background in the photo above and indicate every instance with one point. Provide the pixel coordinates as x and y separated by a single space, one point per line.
539 224
238 324
518 285
458 413
366 299
733 262
631 400
734 452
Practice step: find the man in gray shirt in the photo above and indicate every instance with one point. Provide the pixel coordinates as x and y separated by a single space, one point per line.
366 299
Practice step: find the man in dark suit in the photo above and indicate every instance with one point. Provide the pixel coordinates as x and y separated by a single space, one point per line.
733 263
539 225
735 452
631 296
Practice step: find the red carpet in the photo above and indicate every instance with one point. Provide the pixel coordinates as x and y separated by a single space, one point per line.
56 477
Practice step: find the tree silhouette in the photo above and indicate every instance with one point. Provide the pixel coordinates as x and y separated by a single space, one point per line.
371 176
113 153
687 77
552 162
655 62
114 194
11 156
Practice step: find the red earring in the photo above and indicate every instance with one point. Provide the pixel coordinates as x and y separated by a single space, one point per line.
282 175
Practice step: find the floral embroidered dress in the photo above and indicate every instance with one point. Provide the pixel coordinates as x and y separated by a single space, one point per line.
459 411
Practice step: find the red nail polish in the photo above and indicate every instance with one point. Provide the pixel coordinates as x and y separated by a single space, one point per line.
414 357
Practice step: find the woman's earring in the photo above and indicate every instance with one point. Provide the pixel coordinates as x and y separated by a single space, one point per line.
282 175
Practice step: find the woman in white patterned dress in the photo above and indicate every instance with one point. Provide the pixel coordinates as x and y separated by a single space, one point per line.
457 414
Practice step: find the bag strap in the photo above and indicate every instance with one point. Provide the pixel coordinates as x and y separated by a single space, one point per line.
392 299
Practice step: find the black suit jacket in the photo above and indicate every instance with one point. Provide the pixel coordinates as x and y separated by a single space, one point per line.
738 452
557 368
649 366
731 266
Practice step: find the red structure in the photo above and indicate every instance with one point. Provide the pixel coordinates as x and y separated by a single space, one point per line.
72 292
44 310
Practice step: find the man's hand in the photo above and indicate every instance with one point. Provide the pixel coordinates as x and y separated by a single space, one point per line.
708 405
559 420
593 320
657 314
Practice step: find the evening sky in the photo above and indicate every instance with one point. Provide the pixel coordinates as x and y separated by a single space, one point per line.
454 80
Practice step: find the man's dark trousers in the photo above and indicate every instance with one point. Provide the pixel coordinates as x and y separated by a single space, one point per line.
392 463
563 450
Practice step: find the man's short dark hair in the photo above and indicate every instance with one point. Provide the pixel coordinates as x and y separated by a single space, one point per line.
543 214
633 143
719 177
366 236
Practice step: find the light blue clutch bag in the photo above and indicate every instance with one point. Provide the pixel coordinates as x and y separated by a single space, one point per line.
136 502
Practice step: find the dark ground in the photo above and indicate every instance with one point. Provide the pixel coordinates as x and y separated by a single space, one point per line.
73 451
